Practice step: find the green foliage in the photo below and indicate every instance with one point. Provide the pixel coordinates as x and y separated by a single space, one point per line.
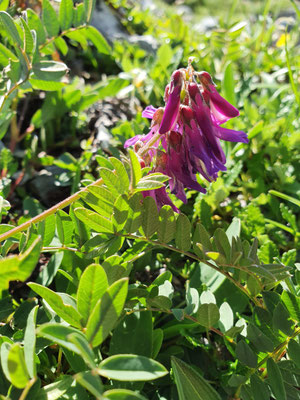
111 297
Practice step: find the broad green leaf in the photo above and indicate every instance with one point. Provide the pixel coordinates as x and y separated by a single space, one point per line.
207 315
17 367
61 45
130 367
190 384
112 181
90 382
59 333
5 55
259 388
121 173
83 347
134 219
167 224
229 84
141 342
29 342
123 394
89 6
28 38
201 239
8 24
64 226
19 267
234 229
35 24
183 233
4 5
50 19
106 312
150 220
56 390
222 243
259 339
46 85
100 205
158 336
120 214
92 286
79 15
5 348
245 354
49 70
281 319
49 270
275 380
292 303
94 220
294 352
136 171
55 301
92 34
226 317
66 14
192 300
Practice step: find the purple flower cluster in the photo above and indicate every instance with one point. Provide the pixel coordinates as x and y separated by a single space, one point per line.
185 135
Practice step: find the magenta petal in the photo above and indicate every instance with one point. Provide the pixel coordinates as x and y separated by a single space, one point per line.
132 141
231 135
149 112
171 111
221 109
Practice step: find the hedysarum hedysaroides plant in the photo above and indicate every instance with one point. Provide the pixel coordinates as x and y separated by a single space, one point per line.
184 138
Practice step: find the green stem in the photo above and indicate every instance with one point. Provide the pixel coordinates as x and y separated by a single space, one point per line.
186 316
193 256
151 142
63 33
27 388
50 211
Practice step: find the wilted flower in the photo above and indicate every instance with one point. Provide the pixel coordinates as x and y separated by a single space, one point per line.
184 135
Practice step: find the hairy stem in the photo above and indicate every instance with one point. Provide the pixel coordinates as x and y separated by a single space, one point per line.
193 256
50 211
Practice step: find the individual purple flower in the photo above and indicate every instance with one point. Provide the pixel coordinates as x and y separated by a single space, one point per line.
173 103
220 108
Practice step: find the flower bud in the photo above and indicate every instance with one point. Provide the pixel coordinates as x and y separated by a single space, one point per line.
174 140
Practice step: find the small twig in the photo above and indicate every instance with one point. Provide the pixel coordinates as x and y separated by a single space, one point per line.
27 388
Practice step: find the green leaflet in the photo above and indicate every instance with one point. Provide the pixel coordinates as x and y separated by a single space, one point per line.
90 382
245 354
150 220
94 220
275 380
19 267
8 24
190 384
50 19
66 14
207 315
17 367
167 224
59 334
58 303
29 342
92 285
183 233
106 312
131 367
